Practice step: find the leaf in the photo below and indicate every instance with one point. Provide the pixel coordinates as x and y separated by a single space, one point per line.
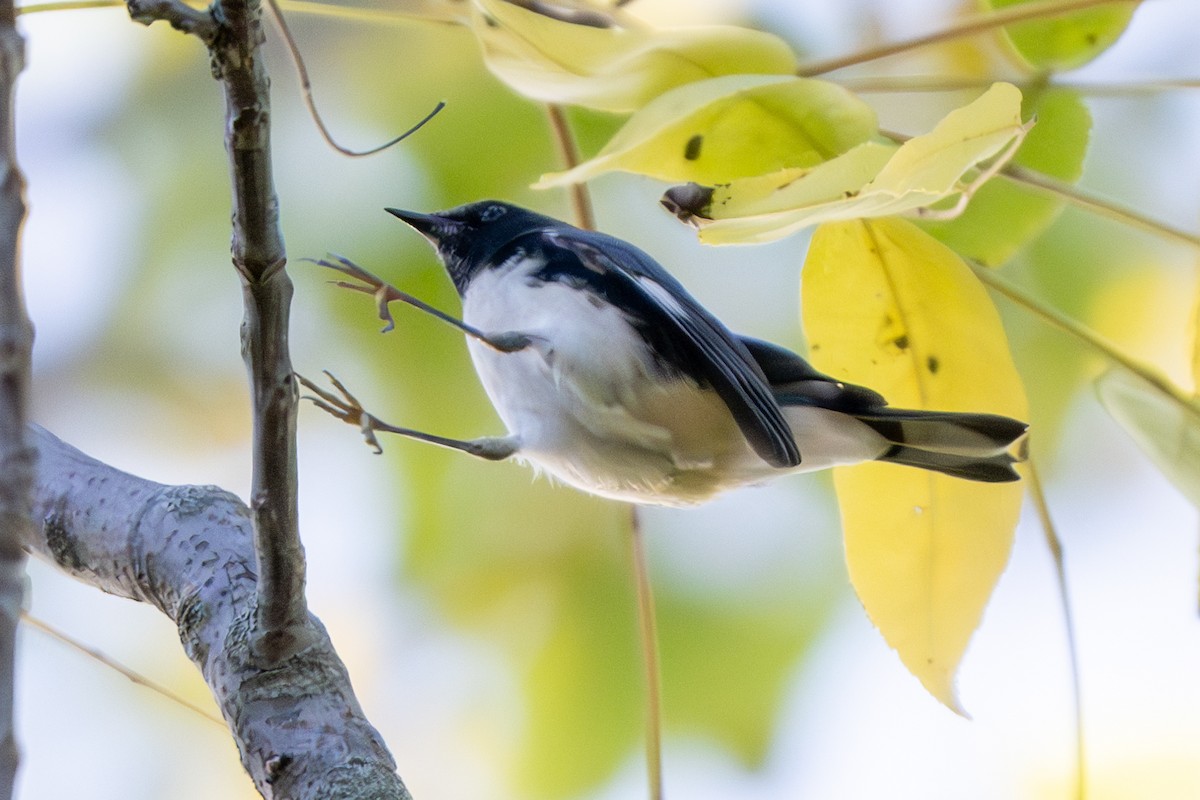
730 127
869 180
887 306
1165 425
1065 41
602 65
1004 215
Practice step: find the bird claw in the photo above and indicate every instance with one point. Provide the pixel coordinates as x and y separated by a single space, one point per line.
344 407
367 283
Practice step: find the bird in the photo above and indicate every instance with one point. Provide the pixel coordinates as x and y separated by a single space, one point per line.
612 378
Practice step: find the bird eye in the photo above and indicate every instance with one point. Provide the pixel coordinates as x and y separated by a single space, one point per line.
492 213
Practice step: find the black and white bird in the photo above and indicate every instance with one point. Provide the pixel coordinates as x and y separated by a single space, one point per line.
613 379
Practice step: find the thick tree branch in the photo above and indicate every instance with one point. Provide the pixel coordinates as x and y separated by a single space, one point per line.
188 550
16 344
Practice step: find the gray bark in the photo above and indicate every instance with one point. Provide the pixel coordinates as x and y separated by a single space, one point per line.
189 551
16 345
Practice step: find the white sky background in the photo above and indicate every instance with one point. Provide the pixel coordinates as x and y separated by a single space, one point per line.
856 724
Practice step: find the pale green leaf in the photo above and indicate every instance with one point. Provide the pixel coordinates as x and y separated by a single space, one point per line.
1065 41
887 306
611 67
1003 215
731 127
1165 425
946 164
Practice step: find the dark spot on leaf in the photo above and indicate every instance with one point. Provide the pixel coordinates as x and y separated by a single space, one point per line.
691 150
901 341
1090 38
490 21
933 364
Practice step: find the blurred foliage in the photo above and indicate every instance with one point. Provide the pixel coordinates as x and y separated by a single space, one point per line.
538 572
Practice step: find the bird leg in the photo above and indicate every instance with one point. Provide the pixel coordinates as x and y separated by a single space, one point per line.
346 407
384 293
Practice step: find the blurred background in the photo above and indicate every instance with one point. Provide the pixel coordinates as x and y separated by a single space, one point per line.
487 617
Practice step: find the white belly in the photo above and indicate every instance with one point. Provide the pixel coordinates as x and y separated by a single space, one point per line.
588 411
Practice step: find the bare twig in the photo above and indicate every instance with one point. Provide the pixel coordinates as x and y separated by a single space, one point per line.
110 662
993 280
307 92
1037 493
17 459
178 15
258 255
648 628
581 200
1097 205
978 23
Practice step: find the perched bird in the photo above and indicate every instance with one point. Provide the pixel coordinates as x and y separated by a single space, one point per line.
612 378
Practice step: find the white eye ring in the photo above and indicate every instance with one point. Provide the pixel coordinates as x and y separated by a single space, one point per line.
492 212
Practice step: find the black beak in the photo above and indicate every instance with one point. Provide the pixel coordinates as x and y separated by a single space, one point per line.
431 226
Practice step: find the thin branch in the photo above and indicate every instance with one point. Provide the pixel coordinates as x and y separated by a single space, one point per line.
1080 331
110 662
647 621
1097 205
1054 544
259 257
581 201
179 15
17 456
648 629
946 83
307 92
970 26
68 5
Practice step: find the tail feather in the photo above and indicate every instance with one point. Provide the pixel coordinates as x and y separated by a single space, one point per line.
980 447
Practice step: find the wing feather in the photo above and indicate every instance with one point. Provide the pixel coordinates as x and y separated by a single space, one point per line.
721 358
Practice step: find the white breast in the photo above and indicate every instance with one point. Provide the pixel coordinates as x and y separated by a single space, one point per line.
585 405
590 410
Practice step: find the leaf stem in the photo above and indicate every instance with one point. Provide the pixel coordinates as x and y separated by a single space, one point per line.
1037 494
966 27
648 628
1077 329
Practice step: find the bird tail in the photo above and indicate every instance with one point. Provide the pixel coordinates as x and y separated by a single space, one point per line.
978 447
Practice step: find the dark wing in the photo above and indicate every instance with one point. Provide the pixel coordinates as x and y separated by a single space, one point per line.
682 331
795 382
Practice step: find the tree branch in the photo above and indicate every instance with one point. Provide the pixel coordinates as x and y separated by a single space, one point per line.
258 255
17 457
188 550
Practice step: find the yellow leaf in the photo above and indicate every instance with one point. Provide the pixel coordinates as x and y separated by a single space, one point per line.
871 180
888 306
603 65
730 127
